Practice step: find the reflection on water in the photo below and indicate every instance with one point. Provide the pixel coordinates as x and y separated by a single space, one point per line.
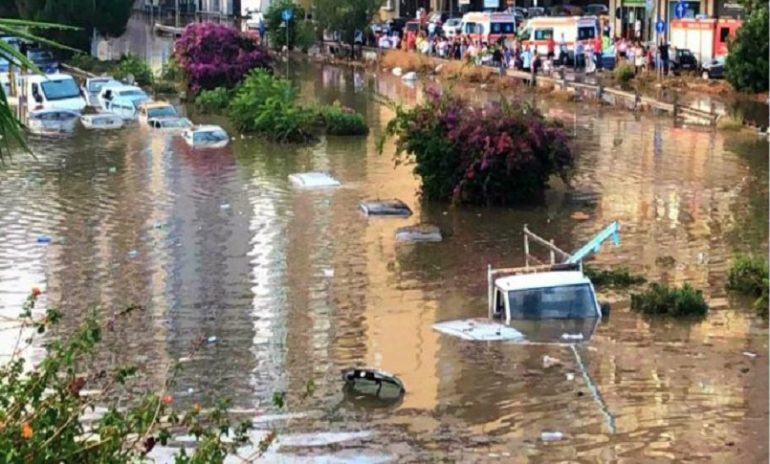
297 285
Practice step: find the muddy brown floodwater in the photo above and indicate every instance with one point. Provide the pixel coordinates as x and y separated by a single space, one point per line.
298 285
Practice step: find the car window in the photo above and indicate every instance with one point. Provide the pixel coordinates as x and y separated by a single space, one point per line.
543 34
501 28
585 33
60 89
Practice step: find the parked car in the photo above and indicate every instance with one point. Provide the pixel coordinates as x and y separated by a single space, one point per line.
596 9
170 124
43 59
714 69
683 60
152 109
535 11
451 27
110 91
206 136
93 86
52 121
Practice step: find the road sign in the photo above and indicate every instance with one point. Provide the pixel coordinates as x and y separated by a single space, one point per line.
660 26
680 10
287 14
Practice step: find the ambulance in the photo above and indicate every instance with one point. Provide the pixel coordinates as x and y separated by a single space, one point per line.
569 29
488 27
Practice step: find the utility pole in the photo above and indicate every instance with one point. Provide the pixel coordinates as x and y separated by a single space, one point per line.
176 13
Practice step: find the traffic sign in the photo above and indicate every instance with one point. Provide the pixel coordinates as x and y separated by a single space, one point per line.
660 26
680 10
287 14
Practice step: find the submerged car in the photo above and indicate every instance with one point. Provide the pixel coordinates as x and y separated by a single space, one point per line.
206 136
93 86
151 109
170 123
52 121
102 121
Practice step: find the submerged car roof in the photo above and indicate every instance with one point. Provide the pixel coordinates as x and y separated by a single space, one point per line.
541 280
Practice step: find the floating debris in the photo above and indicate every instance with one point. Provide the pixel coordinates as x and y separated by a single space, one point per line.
43 239
567 336
397 71
224 206
133 254
112 170
749 354
392 207
410 76
419 233
211 340
313 180
373 383
548 361
579 216
570 376
551 436
328 272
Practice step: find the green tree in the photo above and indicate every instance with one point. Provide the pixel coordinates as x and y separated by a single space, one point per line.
276 29
108 17
345 17
746 67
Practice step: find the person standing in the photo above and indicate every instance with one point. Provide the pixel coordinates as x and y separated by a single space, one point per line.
550 48
598 52
663 50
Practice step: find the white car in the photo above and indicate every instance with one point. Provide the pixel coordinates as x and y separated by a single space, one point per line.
113 90
169 124
102 121
94 85
451 27
52 121
206 136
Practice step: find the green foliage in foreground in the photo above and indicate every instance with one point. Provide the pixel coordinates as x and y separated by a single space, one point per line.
661 300
42 406
267 105
341 120
617 277
213 101
748 275
746 67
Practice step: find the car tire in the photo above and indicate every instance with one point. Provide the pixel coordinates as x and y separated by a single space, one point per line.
705 75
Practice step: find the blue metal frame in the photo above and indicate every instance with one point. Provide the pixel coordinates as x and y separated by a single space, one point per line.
592 246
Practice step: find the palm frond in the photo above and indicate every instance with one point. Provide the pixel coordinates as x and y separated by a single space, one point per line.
9 22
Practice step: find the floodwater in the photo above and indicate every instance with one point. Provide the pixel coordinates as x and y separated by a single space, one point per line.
297 285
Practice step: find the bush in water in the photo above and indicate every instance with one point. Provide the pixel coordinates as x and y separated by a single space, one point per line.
214 55
131 65
213 101
266 105
749 275
660 300
43 405
341 120
624 73
620 277
501 154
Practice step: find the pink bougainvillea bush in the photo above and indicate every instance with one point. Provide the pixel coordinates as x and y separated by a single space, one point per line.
494 155
213 55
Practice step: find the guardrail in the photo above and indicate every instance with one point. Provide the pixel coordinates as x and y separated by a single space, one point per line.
609 95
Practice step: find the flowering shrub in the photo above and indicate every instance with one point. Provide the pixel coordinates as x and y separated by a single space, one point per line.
501 154
43 406
213 55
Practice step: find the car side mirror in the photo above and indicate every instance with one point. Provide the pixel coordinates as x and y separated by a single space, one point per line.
605 307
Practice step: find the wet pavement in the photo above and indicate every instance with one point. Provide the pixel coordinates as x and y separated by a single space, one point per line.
297 285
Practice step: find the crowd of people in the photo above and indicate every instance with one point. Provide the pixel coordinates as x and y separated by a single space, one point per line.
511 53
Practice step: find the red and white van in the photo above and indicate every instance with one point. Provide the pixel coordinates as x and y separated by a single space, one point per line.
569 29
705 38
488 27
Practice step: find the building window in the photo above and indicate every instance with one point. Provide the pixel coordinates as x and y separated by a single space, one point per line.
724 34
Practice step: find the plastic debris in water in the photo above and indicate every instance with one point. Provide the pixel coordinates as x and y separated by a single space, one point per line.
113 170
224 206
549 361
44 239
570 376
133 254
211 339
567 336
750 354
373 383
328 272
551 436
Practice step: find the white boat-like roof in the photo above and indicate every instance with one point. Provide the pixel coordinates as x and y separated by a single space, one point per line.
313 180
541 280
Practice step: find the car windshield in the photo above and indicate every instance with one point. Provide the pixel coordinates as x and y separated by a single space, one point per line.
60 89
39 55
96 86
209 136
161 111
564 302
131 93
